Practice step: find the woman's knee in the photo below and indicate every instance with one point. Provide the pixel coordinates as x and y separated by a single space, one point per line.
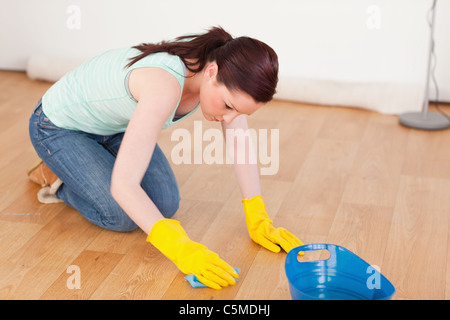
119 221
116 219
123 225
105 212
169 204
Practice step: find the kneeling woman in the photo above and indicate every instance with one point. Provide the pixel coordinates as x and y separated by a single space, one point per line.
96 131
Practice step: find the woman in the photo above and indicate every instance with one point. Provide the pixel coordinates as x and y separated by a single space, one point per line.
96 131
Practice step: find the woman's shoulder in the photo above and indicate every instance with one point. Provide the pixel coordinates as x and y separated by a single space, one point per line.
141 79
163 60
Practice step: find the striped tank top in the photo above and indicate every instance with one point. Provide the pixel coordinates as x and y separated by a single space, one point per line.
95 97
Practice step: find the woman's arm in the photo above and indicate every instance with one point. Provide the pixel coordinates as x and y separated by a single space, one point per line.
247 173
157 92
259 225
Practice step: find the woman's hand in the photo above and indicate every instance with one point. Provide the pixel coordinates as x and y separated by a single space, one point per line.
191 257
261 228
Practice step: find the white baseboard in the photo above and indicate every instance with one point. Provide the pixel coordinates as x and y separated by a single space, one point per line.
50 68
386 98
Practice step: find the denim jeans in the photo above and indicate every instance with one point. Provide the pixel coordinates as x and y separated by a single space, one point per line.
84 162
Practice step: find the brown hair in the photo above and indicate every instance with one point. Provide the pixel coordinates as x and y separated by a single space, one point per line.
245 64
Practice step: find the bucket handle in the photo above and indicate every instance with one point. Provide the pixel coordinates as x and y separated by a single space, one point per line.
331 248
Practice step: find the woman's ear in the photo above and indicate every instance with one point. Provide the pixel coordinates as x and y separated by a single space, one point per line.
211 71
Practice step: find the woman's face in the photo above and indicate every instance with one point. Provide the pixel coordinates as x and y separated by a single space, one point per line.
220 104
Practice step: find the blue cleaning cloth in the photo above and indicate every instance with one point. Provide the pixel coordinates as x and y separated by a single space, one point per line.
197 284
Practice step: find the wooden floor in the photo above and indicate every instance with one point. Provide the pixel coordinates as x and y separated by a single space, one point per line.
347 176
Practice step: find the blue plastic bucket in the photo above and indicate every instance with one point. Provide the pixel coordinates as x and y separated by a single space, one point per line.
343 276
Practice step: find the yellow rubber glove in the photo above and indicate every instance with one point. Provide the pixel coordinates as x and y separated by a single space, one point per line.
261 229
191 257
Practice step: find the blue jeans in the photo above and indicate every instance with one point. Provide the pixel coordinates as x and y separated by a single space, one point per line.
84 162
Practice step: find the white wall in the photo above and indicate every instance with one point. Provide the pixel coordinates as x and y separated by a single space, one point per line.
363 53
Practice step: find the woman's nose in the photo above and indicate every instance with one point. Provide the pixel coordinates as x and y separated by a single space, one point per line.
230 116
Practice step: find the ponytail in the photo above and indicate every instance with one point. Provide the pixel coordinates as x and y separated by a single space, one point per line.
196 48
244 64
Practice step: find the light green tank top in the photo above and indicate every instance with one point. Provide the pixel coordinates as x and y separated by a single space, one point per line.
95 97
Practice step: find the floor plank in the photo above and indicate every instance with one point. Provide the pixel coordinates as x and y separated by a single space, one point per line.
416 256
